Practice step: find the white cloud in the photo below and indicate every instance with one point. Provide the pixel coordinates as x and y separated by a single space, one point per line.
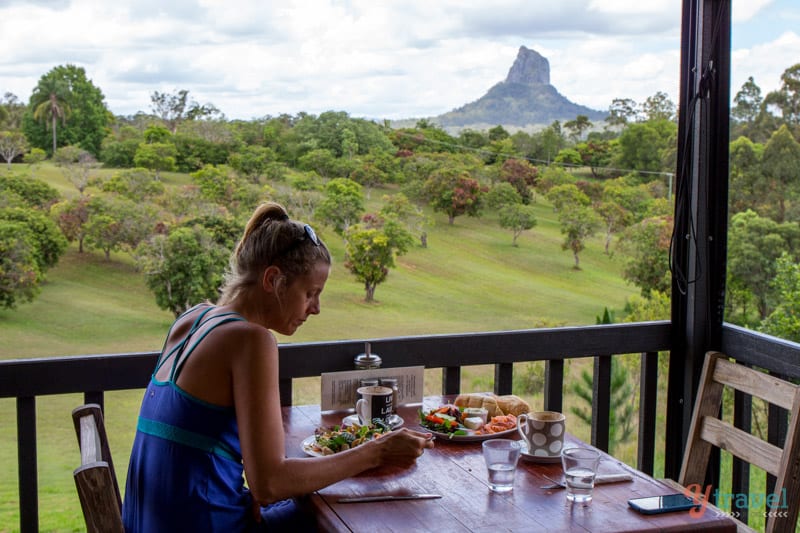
744 10
379 59
765 62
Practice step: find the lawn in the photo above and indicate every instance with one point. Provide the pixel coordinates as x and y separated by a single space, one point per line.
469 278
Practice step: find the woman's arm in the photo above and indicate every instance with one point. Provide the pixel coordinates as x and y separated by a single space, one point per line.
270 475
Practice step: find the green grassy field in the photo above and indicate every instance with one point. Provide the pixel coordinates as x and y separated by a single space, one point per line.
469 278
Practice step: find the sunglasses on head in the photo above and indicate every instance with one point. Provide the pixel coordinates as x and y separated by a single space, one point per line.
309 232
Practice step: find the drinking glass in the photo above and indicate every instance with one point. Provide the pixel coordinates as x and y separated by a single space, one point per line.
501 456
580 469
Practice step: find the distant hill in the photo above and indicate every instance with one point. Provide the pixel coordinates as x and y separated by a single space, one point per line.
526 99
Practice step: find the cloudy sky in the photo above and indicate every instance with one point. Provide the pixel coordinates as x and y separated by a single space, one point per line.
378 59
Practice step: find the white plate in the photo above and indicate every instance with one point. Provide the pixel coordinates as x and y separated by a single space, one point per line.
537 458
470 437
395 421
308 444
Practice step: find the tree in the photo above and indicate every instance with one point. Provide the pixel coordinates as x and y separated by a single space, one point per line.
343 204
157 156
614 217
49 102
399 207
11 112
658 107
20 273
12 144
71 216
33 192
578 223
85 120
136 184
569 157
562 196
748 188
183 268
251 162
754 245
521 175
370 255
577 127
747 102
781 167
622 408
77 165
784 321
646 249
548 142
517 217
641 145
621 112
176 108
595 155
454 192
787 97
50 244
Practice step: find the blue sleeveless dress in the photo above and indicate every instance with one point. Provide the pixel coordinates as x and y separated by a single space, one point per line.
185 471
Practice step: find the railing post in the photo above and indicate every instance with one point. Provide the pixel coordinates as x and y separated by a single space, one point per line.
28 475
503 378
601 402
97 397
648 394
451 380
554 385
285 390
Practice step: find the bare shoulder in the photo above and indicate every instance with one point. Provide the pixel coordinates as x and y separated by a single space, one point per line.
247 341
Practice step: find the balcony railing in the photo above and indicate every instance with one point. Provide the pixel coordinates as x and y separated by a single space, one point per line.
93 375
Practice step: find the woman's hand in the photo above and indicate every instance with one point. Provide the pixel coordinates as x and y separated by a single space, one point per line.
402 447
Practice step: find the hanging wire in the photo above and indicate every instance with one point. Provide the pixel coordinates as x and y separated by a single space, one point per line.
679 235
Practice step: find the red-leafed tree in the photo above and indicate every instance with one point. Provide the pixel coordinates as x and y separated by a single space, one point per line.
454 192
521 175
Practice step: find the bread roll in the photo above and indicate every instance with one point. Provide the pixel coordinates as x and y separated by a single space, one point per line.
487 401
513 405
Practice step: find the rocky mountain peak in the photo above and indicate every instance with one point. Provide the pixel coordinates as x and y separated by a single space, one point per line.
530 68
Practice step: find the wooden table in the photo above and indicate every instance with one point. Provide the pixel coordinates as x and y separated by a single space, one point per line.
457 472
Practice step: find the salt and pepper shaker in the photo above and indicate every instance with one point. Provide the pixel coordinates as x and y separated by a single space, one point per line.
366 360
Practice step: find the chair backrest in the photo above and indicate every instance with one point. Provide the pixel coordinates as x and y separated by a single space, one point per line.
95 478
707 430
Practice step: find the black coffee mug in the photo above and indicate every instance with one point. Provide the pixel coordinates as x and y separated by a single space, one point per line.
375 402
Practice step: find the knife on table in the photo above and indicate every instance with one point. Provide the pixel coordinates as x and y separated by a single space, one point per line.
388 497
598 480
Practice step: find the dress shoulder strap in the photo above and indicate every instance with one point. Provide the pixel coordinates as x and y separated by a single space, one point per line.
185 349
179 346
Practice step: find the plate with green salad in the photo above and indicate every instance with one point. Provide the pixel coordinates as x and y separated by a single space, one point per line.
328 441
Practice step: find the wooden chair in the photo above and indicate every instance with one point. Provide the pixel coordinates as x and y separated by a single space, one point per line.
707 430
95 478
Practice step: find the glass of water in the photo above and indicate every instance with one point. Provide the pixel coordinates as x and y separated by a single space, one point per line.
580 469
501 456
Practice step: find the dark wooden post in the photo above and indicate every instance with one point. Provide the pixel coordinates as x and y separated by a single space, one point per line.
698 252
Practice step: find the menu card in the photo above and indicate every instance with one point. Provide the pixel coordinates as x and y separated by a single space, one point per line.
339 388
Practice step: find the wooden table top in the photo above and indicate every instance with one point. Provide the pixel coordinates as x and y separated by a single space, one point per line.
456 470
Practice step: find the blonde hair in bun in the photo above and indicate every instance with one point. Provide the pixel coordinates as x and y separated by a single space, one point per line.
271 238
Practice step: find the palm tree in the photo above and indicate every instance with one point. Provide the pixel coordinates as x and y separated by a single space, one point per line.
49 102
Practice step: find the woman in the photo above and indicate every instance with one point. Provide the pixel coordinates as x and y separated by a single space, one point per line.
211 412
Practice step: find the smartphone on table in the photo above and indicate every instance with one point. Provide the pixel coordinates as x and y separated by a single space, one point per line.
663 504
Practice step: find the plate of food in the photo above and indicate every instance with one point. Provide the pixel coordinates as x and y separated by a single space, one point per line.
329 441
457 424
